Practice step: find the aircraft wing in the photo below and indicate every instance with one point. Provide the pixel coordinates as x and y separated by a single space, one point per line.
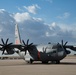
71 47
16 46
10 49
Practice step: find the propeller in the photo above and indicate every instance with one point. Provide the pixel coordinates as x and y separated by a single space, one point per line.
5 45
64 46
27 46
44 50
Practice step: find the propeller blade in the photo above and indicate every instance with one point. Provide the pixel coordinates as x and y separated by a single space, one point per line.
27 41
58 44
3 51
44 49
62 42
1 45
10 44
25 52
65 43
31 44
23 42
2 41
7 40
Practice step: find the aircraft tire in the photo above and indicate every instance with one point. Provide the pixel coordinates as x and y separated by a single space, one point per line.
57 62
53 62
44 62
31 61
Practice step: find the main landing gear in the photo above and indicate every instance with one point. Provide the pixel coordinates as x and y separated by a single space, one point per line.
44 62
56 62
30 61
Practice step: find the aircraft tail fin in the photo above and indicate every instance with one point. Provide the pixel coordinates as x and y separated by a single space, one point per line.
17 35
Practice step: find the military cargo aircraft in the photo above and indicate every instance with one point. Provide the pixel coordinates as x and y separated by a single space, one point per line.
31 52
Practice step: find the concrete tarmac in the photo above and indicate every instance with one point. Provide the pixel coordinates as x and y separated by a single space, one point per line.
20 67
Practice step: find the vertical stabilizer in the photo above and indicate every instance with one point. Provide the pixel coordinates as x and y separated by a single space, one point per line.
17 35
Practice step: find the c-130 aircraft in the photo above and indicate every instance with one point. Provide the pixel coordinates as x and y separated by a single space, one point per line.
30 52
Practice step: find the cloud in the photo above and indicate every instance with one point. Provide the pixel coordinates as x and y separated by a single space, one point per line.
20 9
64 16
32 9
35 28
68 30
2 10
7 23
50 1
21 17
59 31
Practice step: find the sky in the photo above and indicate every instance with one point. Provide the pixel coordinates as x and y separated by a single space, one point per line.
41 21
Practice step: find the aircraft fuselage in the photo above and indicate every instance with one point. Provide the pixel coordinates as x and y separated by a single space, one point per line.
47 52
